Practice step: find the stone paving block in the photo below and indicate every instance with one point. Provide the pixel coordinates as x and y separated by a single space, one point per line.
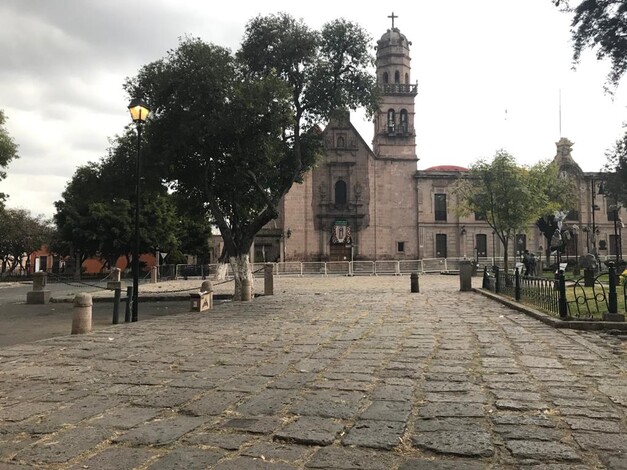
462 443
247 463
517 405
276 451
450 424
594 413
112 458
541 362
124 417
432 464
63 446
450 387
266 402
602 441
343 458
392 393
541 450
167 397
160 432
455 397
212 403
23 411
524 432
375 434
245 384
329 404
292 380
539 419
217 439
187 458
253 424
310 430
387 411
458 410
601 425
341 385
441 377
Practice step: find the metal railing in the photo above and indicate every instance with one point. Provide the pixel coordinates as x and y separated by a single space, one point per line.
546 294
332 268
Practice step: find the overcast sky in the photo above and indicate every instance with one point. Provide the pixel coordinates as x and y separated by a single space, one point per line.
490 74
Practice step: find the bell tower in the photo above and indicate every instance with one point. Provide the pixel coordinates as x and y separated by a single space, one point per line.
394 131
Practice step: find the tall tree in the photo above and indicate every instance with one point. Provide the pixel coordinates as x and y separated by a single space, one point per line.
8 151
600 25
232 133
21 234
511 197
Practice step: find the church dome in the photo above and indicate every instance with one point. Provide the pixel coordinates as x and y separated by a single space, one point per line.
393 38
446 168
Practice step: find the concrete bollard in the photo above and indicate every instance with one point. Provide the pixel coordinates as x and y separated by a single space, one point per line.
268 279
246 290
153 275
38 295
465 276
81 317
414 282
115 282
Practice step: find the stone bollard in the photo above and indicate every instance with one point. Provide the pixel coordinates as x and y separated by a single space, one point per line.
38 295
465 276
414 282
246 290
81 317
268 279
153 275
203 300
115 282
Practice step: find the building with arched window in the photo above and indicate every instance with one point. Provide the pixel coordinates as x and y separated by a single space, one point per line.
373 203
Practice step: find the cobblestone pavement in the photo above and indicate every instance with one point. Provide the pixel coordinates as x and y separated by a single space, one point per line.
333 373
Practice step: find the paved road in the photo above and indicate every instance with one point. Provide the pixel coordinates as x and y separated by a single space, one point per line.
337 373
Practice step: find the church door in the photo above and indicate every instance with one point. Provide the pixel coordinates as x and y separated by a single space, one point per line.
340 252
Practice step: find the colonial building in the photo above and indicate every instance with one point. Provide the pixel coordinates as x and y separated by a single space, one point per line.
363 203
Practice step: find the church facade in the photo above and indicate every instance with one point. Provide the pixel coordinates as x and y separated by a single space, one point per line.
372 203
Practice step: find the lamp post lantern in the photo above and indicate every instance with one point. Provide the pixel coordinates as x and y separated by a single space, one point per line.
139 112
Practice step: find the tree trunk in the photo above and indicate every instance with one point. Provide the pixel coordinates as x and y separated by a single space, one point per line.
221 270
241 271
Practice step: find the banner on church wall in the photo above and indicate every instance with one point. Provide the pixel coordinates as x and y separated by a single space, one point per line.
341 232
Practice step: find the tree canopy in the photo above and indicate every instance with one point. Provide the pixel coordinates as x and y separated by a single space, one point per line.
600 25
510 197
20 235
231 133
96 211
8 150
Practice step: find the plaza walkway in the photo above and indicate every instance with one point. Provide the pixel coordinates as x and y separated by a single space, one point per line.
329 373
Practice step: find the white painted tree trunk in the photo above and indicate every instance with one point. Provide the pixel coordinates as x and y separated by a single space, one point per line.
221 271
241 271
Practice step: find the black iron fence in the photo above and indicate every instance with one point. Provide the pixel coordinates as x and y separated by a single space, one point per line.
545 294
587 298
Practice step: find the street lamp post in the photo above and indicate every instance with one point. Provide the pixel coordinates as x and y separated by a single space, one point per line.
139 112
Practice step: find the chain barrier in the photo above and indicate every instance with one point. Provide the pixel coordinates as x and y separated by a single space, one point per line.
196 288
80 283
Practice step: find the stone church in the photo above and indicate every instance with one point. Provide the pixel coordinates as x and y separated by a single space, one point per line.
372 203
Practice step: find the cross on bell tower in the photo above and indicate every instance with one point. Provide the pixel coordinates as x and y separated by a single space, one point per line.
392 16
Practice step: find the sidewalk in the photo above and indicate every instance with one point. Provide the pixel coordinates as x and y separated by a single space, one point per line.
329 373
